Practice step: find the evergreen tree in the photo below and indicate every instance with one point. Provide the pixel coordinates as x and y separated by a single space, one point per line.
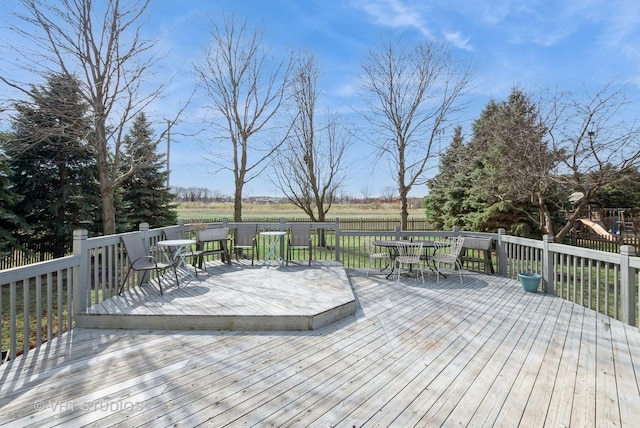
510 166
52 166
145 195
622 193
448 190
493 180
9 220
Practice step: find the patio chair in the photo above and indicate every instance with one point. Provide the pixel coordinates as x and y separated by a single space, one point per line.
140 260
373 255
409 254
173 233
448 253
211 241
299 239
245 240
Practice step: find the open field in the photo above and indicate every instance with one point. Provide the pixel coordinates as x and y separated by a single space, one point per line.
195 210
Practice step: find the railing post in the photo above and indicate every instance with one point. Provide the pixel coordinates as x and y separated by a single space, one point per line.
81 272
456 231
628 285
282 229
144 227
181 225
397 229
548 276
501 252
337 239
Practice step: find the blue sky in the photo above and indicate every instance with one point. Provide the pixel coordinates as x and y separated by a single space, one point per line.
535 44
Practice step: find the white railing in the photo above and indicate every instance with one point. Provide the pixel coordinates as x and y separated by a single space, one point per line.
51 292
602 281
43 292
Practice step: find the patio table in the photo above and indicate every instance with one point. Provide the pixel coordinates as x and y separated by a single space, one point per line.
391 246
272 238
175 251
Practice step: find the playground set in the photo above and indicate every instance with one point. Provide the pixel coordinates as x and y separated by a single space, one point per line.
610 223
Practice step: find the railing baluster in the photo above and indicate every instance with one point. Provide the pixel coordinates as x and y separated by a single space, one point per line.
38 314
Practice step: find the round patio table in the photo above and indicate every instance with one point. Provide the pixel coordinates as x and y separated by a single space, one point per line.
391 246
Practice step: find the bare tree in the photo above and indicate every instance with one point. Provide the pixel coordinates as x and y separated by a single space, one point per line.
365 191
413 92
599 140
100 44
247 94
309 166
388 193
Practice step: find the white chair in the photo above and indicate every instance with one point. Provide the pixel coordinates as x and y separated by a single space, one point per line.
409 254
448 253
373 255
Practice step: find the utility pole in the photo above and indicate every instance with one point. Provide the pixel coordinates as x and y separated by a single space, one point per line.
169 124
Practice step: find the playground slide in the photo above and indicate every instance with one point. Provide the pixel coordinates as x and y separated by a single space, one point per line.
597 228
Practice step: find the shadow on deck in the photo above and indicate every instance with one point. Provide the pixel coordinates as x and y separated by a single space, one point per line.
236 297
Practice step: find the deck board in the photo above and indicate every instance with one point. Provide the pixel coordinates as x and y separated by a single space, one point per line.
479 353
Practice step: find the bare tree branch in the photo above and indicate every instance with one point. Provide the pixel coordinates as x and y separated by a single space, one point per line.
246 95
413 93
309 167
100 44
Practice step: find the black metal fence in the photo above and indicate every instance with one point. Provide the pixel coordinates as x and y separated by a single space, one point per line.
345 223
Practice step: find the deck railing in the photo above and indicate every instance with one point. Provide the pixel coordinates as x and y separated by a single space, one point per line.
38 301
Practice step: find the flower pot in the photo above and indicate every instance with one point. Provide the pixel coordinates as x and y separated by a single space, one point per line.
530 281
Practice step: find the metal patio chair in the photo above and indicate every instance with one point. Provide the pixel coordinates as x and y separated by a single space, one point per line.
373 255
245 240
448 253
299 239
409 254
140 260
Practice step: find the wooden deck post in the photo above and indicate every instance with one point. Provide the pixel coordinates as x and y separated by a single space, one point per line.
548 275
397 230
81 272
337 239
501 252
283 228
627 285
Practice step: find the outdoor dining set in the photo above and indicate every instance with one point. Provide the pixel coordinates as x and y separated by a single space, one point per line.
174 251
413 254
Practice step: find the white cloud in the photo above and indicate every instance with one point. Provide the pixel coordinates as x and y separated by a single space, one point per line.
457 40
394 14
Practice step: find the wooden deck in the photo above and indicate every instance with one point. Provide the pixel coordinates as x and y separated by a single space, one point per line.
481 353
234 297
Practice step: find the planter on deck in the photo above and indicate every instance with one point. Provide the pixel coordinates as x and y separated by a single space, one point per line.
530 281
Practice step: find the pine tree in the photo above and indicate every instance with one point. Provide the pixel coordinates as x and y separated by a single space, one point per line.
448 189
52 167
9 220
510 162
145 195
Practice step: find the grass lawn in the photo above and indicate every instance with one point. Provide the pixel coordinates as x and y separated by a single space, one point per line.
193 210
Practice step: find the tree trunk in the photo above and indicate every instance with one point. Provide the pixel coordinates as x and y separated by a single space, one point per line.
404 208
108 210
237 203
